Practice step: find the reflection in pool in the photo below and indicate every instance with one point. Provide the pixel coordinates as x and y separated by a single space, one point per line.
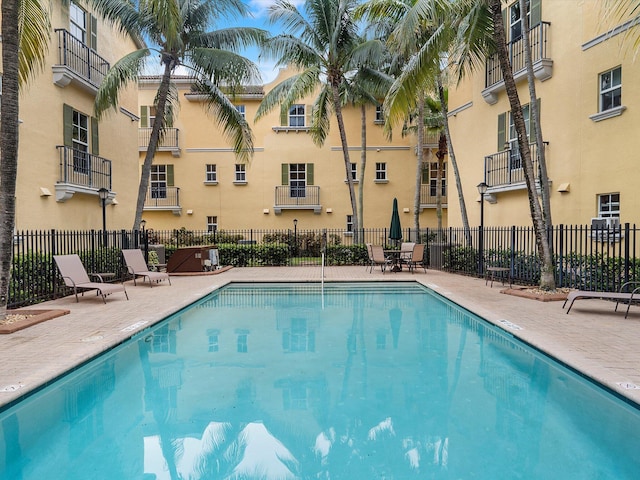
361 381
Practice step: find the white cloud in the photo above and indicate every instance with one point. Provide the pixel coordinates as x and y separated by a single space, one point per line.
259 7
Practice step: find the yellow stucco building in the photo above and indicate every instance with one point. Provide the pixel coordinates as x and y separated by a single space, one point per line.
588 98
65 154
197 182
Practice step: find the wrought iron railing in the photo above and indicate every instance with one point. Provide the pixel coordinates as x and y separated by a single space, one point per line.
80 59
81 168
162 197
505 168
292 196
538 36
170 140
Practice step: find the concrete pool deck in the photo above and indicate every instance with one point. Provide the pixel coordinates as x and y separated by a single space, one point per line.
592 339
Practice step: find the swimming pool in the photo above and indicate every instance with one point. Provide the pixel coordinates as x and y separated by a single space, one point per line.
356 381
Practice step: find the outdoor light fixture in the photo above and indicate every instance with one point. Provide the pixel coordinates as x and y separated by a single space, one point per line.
103 193
482 190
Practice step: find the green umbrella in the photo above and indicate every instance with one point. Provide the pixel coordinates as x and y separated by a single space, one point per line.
395 231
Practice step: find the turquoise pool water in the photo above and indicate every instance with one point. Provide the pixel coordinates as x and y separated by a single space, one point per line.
358 382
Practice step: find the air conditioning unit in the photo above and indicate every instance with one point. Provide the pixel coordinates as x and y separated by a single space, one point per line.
606 229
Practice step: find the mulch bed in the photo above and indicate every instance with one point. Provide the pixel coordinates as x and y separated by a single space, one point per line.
537 294
20 319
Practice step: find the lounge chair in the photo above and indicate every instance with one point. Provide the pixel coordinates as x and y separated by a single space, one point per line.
417 258
623 295
378 258
137 267
75 276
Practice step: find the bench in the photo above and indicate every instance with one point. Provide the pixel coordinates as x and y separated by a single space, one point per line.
491 272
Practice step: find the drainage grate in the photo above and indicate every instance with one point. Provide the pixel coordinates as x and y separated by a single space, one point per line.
508 324
628 385
134 326
11 388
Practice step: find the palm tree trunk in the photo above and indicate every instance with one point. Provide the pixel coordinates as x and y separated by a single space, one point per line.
453 162
535 114
8 144
547 278
363 164
440 154
420 159
158 124
347 162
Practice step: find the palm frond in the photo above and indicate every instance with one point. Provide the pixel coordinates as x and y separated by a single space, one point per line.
287 92
223 67
34 27
321 116
233 39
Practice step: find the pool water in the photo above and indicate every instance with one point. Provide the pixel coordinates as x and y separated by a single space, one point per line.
350 381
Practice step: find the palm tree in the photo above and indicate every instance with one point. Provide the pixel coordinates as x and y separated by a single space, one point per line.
177 32
25 38
323 45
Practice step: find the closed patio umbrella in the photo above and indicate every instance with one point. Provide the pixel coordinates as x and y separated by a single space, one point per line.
395 231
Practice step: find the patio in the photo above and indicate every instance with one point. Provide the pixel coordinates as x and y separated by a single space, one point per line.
592 338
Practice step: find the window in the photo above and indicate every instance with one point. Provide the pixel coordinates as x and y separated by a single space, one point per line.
354 171
212 223
158 181
78 22
297 180
349 224
80 142
379 114
241 173
609 205
296 116
148 116
381 171
242 341
515 22
611 89
516 160
433 179
214 340
241 110
212 174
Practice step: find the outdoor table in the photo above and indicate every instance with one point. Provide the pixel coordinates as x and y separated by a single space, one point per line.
394 256
490 273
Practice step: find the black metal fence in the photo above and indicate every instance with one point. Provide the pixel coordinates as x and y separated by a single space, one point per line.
598 258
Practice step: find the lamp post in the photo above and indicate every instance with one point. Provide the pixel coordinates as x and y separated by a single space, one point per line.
103 193
295 236
143 224
482 189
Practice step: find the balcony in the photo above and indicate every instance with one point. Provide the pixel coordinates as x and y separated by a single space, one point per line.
170 142
82 172
504 172
78 63
297 198
428 197
542 64
163 199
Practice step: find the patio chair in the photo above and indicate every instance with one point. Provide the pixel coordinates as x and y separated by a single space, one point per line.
378 258
406 250
417 258
625 295
137 267
75 276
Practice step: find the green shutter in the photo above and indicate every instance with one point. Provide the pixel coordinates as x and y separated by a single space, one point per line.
308 109
169 175
425 173
93 33
95 143
144 116
284 118
532 123
67 122
505 23
285 174
309 173
502 131
536 13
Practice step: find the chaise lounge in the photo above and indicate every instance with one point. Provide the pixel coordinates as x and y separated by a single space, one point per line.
137 267
75 276
623 295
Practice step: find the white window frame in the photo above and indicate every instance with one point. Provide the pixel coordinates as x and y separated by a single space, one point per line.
78 22
609 205
515 20
211 174
381 172
242 110
354 172
609 89
214 340
297 115
433 179
349 225
240 173
379 115
516 159
212 223
158 181
298 180
80 142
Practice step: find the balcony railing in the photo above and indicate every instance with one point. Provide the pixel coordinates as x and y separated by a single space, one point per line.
542 63
428 196
84 169
80 60
300 198
163 198
504 169
170 142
